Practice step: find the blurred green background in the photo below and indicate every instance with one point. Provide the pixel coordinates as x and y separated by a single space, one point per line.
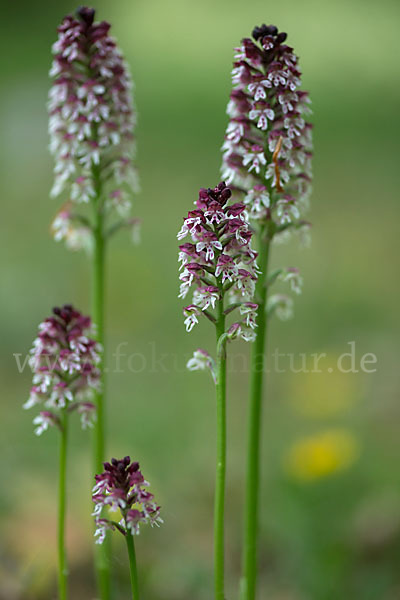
330 518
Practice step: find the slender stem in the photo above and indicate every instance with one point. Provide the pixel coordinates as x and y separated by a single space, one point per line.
249 560
132 566
98 319
62 555
219 508
102 559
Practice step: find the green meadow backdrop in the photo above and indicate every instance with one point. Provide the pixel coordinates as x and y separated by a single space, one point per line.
330 518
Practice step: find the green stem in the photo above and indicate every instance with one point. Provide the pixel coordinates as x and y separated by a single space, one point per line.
62 555
249 560
132 566
98 320
102 559
219 508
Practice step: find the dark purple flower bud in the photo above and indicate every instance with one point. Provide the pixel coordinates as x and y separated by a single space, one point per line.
264 30
86 14
281 37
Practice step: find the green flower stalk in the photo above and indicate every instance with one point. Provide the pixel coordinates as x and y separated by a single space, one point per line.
91 127
220 264
266 160
122 487
64 360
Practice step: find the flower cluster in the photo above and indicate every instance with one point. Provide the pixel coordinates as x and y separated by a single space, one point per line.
122 486
218 261
91 115
267 148
64 362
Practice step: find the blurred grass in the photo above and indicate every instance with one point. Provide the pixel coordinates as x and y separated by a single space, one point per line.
336 537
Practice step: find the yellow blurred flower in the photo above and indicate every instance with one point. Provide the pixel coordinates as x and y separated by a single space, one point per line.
322 454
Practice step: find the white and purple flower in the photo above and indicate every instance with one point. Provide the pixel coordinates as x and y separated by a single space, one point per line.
91 121
122 487
218 262
268 141
64 360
